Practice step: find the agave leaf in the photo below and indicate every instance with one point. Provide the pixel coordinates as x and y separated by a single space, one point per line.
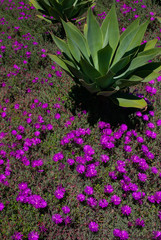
110 30
108 93
131 27
62 45
60 62
94 37
89 70
41 17
104 56
139 61
106 80
36 5
150 44
147 69
92 87
128 100
68 3
130 41
76 37
122 83
74 50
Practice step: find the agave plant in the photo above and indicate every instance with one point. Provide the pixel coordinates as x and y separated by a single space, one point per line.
107 63
67 10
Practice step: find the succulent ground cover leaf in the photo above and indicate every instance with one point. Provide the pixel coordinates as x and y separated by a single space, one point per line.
67 10
106 62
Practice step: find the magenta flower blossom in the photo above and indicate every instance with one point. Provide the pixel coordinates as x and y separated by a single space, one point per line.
104 158
115 200
103 203
157 197
127 148
112 175
22 186
139 222
57 218
33 236
37 163
58 156
80 168
81 197
1 206
108 189
92 202
126 210
157 235
154 170
17 236
142 177
59 193
65 209
88 150
93 227
88 190
67 220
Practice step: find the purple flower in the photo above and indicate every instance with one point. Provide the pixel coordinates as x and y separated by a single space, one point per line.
104 158
92 202
139 222
103 203
33 236
157 235
17 236
91 171
88 150
80 168
142 177
112 175
123 127
70 161
108 189
37 163
58 156
81 197
57 218
115 200
157 197
67 220
93 227
126 210
127 148
117 232
59 193
154 170
1 206
138 195
88 190
151 199
65 209
22 186
133 187
124 235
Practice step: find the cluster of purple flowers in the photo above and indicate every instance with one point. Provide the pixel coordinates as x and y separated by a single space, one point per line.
156 198
121 234
74 136
25 196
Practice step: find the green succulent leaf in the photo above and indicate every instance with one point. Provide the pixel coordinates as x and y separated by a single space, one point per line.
60 62
43 18
128 100
77 38
104 56
92 87
35 4
110 30
94 37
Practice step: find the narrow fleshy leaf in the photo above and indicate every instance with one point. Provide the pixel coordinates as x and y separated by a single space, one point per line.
43 18
122 83
94 37
60 62
104 56
89 70
92 88
150 44
106 80
110 30
62 45
35 4
128 100
76 37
